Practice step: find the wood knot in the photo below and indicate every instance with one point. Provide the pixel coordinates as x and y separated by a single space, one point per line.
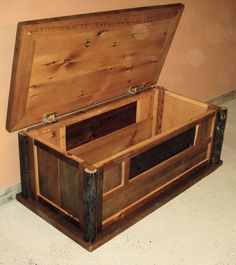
87 43
67 61
115 43
101 32
223 116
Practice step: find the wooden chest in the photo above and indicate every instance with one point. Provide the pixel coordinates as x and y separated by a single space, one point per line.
105 145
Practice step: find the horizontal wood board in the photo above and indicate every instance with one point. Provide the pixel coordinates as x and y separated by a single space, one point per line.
161 152
100 125
154 179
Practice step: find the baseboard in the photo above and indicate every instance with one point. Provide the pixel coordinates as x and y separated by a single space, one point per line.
223 98
9 193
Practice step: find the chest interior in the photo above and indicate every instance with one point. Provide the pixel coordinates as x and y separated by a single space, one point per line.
128 138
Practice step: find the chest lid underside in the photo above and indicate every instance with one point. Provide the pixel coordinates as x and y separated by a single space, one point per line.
65 64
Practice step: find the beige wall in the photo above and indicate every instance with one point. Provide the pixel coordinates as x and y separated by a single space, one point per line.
201 62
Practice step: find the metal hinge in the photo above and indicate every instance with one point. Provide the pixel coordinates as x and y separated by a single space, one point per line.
133 90
49 118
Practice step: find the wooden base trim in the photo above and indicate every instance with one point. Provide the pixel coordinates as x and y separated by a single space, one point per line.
71 230
41 197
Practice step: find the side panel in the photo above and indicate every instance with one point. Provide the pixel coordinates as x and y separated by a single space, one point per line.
48 176
69 187
59 180
159 153
152 180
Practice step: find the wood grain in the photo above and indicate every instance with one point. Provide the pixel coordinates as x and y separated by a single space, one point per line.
88 130
112 177
115 142
49 182
155 140
70 228
178 110
69 188
133 192
27 171
160 153
64 64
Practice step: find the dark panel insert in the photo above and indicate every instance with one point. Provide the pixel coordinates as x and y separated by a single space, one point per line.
161 152
100 125
48 176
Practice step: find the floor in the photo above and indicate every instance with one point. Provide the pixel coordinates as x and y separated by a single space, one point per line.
196 228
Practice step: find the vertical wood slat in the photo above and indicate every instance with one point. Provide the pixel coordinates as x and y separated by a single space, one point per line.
112 177
25 166
203 130
60 180
49 181
221 118
92 200
125 171
160 108
69 187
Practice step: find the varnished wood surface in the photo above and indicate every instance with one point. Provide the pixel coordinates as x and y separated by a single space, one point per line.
220 124
178 109
27 172
160 153
64 64
88 130
115 142
154 179
112 177
155 140
48 176
71 229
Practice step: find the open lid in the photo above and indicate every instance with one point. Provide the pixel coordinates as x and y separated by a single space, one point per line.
65 64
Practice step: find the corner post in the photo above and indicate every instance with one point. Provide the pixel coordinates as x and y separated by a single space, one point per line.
221 117
24 165
92 209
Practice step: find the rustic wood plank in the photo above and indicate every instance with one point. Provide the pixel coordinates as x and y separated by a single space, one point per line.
56 153
112 177
92 199
114 142
161 152
89 112
91 129
125 171
220 123
49 183
21 71
184 110
179 157
67 54
144 107
159 111
157 180
70 228
26 165
151 142
69 188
